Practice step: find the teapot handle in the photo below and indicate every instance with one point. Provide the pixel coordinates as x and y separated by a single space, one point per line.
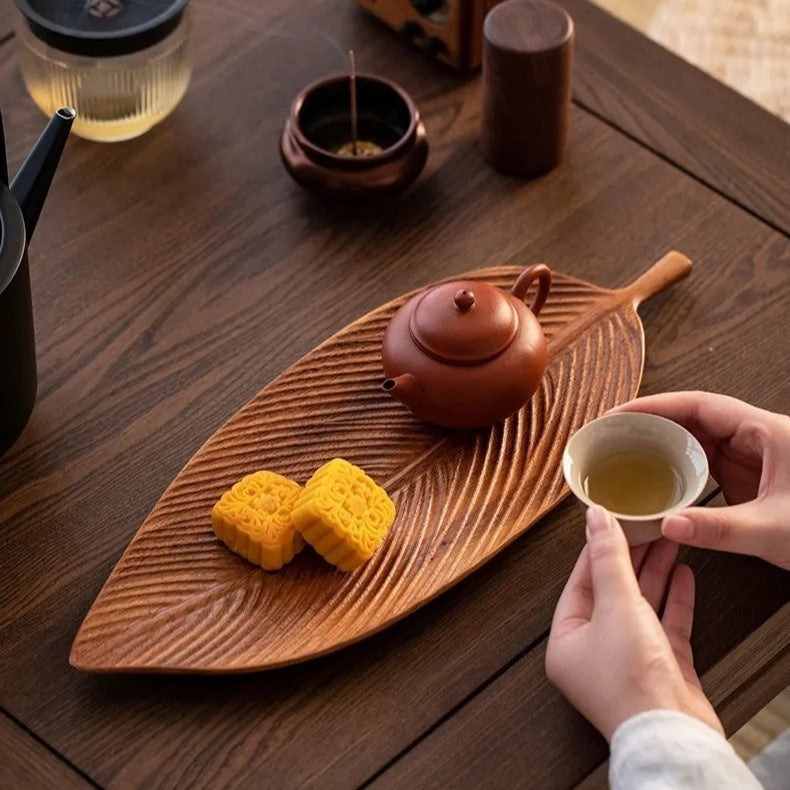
539 272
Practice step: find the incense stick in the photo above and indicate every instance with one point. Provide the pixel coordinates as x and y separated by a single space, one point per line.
353 85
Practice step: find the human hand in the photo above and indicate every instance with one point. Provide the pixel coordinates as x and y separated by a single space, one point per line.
748 453
608 653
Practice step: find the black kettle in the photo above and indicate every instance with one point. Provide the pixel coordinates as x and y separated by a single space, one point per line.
20 206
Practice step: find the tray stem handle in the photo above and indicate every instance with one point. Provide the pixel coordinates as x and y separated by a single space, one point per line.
672 268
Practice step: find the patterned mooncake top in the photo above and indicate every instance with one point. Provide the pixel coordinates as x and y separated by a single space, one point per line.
349 502
260 504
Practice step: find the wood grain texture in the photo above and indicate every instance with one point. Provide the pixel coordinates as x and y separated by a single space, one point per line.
756 669
175 275
27 765
727 141
526 85
180 601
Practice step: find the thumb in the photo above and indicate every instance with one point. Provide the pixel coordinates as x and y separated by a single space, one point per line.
613 577
751 528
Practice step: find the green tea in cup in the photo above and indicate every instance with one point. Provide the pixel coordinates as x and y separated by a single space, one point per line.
640 467
633 482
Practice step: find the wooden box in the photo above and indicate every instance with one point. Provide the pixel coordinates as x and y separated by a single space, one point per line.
450 29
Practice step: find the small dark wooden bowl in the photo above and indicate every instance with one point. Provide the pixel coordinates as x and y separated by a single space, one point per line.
319 121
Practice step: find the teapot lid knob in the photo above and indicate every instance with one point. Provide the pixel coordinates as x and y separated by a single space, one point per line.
464 322
464 299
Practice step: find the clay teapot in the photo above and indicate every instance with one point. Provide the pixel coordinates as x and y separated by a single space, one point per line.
466 354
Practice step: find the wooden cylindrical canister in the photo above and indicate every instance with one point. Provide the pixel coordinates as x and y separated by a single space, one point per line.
527 60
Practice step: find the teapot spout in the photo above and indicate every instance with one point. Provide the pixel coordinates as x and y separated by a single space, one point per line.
405 388
34 178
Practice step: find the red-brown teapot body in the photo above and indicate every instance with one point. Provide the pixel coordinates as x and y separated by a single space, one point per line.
467 354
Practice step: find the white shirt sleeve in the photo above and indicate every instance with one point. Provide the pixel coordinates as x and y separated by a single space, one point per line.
668 750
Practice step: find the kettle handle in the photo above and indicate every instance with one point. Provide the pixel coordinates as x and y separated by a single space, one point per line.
539 272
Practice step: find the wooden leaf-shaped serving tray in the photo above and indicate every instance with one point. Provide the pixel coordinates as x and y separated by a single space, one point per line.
178 600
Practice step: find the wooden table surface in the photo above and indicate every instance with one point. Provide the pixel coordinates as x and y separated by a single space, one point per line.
175 275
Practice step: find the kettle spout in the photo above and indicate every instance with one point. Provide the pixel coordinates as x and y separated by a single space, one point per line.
34 178
404 388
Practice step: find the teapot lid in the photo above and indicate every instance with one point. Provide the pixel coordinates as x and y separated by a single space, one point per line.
464 322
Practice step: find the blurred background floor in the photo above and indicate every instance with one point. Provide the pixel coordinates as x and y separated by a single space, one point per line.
771 722
744 43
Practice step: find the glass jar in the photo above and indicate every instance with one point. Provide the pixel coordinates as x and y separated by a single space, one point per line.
122 66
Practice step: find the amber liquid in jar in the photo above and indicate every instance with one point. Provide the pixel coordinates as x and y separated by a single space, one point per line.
116 98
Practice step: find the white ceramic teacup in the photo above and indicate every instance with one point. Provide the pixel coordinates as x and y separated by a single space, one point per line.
636 431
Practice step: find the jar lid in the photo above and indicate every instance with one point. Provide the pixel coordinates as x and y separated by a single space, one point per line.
101 28
464 323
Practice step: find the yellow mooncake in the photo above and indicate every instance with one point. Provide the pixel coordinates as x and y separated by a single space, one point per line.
253 519
343 514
